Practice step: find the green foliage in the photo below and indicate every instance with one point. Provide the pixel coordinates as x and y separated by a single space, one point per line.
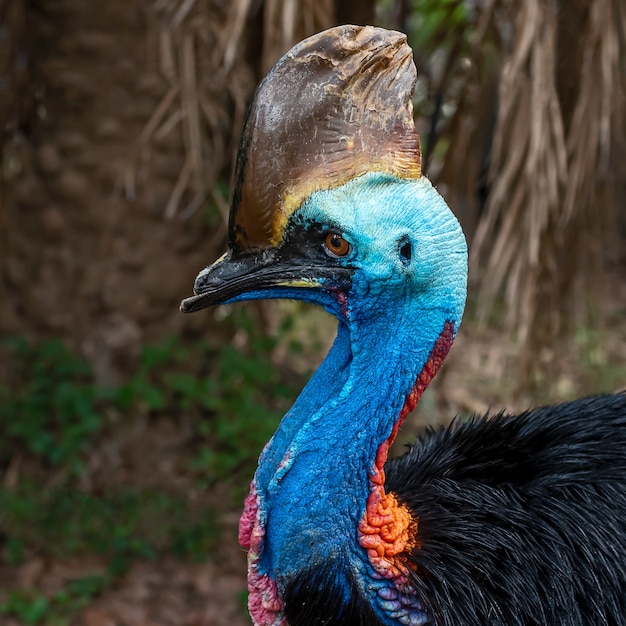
235 398
432 26
29 607
51 407
52 416
434 21
601 359
121 524
48 404
33 607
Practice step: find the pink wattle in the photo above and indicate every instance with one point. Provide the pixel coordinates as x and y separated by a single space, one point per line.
263 600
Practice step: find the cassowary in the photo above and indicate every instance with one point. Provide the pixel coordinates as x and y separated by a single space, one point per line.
513 520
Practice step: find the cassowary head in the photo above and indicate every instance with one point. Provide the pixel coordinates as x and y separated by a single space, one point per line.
329 204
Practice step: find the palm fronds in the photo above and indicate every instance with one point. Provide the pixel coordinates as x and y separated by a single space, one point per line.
548 206
532 152
202 51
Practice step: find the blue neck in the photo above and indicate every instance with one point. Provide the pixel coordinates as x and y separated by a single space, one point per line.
313 477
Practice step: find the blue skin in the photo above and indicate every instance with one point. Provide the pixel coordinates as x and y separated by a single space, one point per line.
397 308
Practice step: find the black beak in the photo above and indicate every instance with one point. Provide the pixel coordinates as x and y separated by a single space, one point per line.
230 277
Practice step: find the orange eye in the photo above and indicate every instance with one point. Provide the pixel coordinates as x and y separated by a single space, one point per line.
336 245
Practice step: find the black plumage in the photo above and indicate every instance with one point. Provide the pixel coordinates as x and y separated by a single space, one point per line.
522 519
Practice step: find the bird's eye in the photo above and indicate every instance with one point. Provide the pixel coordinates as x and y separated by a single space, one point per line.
336 245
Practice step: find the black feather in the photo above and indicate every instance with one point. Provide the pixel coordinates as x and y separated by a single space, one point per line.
327 595
521 520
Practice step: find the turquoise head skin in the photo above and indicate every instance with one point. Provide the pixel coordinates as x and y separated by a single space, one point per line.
402 279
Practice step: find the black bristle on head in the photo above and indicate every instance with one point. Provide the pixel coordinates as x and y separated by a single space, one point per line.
327 595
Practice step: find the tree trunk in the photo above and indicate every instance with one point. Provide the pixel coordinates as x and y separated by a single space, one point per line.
81 258
360 12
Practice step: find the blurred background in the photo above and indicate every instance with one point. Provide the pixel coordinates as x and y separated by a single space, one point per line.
129 432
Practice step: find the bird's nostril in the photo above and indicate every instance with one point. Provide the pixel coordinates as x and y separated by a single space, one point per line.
201 281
